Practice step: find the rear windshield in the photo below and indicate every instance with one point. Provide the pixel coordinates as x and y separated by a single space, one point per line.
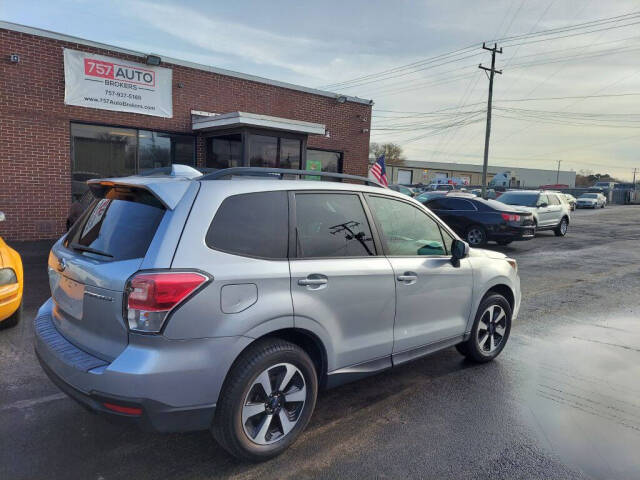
117 227
517 198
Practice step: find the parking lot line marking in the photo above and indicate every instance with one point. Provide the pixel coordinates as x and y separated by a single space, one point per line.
21 404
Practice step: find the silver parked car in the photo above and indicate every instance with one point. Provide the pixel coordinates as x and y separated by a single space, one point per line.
591 200
226 303
571 200
550 210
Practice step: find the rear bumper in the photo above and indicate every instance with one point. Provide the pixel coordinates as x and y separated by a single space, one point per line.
175 383
155 416
508 232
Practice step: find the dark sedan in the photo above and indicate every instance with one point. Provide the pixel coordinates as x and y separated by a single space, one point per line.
479 221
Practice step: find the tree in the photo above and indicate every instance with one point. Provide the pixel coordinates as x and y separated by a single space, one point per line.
392 152
586 178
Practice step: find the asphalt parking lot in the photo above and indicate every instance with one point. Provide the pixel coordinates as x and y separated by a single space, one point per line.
562 401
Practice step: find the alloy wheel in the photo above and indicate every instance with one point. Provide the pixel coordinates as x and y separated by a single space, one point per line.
563 226
475 236
274 403
491 329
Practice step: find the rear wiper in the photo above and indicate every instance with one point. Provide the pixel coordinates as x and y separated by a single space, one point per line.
82 248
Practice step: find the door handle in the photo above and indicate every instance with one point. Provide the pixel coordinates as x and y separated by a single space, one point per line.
312 281
408 277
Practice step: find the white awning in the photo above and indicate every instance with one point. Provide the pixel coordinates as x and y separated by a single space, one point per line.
206 122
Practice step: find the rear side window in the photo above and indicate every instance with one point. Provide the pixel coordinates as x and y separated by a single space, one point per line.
332 225
252 224
456 204
553 199
117 227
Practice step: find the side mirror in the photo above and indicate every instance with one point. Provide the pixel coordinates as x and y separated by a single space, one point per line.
459 250
2 217
543 205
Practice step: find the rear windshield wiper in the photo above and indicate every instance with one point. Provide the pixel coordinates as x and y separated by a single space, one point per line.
83 248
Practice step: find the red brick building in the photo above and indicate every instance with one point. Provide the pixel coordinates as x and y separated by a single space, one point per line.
49 146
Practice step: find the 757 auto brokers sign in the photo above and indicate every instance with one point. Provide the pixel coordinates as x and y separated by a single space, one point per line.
109 83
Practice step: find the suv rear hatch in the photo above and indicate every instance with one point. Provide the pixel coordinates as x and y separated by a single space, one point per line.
89 267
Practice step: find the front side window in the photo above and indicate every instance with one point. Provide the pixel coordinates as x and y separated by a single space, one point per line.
436 204
332 225
252 224
407 230
553 200
543 200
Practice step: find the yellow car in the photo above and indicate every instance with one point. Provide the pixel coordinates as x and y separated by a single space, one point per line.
11 284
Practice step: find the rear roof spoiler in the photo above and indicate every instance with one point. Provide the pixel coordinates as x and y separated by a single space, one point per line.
169 191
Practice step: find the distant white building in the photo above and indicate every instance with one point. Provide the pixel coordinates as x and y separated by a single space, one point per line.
414 171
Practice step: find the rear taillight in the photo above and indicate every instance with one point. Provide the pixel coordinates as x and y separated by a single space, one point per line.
510 217
151 296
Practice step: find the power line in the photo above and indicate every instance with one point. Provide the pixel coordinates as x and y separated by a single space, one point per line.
566 28
531 37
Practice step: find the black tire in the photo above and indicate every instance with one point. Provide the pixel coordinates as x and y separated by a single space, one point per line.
602 206
476 236
228 428
471 348
561 229
13 320
503 242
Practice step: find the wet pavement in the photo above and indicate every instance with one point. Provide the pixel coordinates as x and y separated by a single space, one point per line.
562 401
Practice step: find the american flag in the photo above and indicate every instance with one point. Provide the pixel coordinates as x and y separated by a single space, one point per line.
379 172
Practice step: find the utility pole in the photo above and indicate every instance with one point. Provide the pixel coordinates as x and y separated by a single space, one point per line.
491 71
634 178
558 174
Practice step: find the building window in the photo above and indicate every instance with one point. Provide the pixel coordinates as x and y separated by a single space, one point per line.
99 151
157 149
323 161
224 151
263 151
290 153
274 152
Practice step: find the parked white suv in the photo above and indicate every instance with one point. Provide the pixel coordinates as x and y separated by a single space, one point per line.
591 200
550 210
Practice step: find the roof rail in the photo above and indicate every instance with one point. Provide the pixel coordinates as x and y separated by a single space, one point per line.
281 172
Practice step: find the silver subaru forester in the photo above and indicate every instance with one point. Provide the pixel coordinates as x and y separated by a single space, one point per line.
225 301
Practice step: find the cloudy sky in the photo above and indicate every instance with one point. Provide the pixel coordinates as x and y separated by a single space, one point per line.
428 100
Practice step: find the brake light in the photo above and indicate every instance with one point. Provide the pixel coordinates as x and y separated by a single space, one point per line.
510 217
151 296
